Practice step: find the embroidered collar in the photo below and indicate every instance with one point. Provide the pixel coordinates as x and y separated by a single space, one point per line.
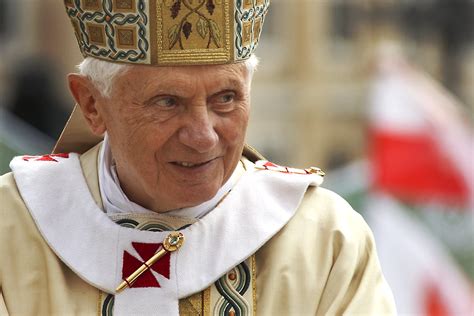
93 246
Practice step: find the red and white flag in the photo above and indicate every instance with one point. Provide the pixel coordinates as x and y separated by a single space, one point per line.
421 152
422 145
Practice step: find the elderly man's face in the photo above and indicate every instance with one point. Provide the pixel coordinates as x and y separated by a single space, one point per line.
176 133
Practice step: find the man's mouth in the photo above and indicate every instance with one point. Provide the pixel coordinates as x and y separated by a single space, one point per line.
187 164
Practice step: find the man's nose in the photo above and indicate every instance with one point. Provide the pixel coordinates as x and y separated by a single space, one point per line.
198 130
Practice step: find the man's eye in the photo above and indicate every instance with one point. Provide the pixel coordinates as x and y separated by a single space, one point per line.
166 102
226 98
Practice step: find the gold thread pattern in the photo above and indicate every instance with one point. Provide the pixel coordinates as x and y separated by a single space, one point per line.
126 37
124 5
96 34
193 34
113 30
168 32
90 4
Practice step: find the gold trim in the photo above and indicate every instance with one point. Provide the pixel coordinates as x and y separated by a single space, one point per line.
153 32
206 302
254 284
230 38
195 52
159 32
194 59
99 304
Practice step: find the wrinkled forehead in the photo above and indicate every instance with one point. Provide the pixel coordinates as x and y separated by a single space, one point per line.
238 70
184 77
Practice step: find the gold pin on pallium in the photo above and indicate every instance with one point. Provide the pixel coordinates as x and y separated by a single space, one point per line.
315 170
172 242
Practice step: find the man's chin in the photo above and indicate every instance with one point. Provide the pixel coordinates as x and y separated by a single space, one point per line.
200 197
197 194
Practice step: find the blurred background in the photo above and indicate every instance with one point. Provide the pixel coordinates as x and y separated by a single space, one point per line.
378 93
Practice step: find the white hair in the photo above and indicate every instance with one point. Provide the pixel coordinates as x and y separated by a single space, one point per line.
103 73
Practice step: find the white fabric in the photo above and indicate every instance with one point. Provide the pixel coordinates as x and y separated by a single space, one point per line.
116 201
134 302
86 240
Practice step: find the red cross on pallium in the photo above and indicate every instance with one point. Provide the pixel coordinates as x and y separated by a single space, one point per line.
45 157
146 251
270 164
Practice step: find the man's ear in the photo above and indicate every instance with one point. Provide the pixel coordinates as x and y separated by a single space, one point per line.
86 96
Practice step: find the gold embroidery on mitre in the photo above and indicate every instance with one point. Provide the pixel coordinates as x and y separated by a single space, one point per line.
247 33
194 32
168 32
91 4
124 6
249 19
248 4
96 33
113 30
126 37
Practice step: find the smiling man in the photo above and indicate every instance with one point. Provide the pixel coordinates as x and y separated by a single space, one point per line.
152 203
176 133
